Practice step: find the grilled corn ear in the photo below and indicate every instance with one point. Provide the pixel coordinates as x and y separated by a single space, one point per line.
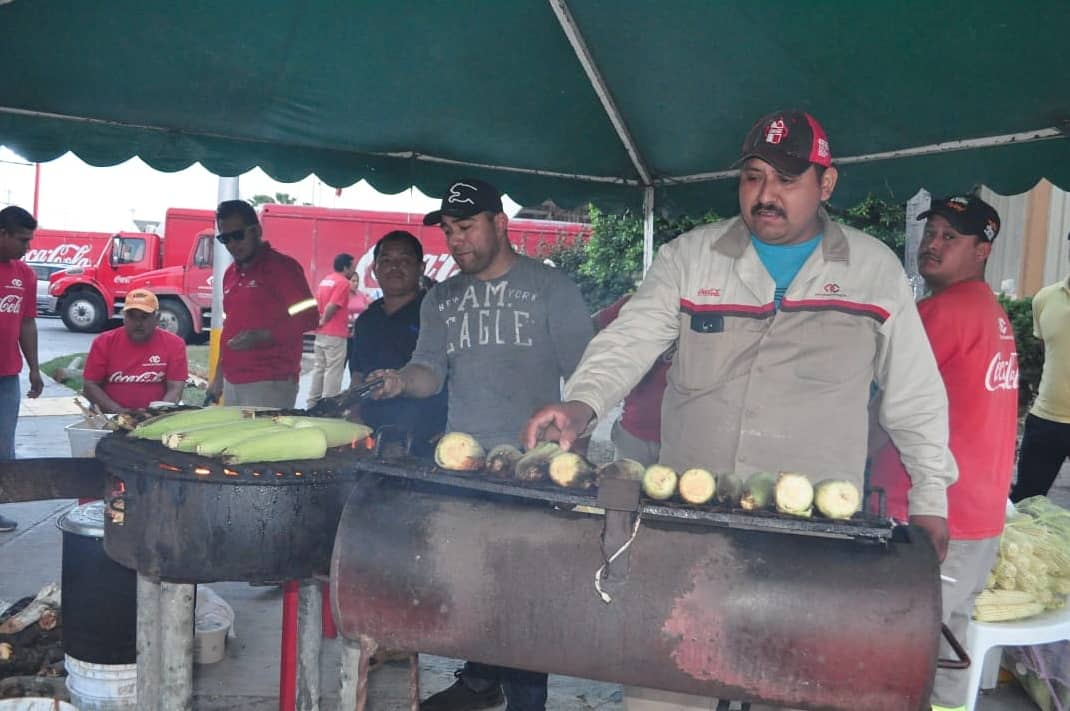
338 432
297 443
213 446
157 427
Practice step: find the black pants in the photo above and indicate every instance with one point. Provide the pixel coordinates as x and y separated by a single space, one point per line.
1045 446
524 690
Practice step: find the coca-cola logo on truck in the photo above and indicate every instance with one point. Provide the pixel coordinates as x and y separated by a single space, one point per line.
75 255
437 266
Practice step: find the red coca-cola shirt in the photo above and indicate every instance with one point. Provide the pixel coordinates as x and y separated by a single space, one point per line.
135 374
18 301
334 289
973 341
259 295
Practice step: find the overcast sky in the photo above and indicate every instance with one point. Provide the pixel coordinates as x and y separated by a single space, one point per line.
77 196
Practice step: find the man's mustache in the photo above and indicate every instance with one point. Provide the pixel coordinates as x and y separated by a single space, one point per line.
767 207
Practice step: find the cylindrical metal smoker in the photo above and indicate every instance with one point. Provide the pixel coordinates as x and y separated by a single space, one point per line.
794 620
99 609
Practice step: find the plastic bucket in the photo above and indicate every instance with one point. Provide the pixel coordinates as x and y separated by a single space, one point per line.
35 705
83 438
101 687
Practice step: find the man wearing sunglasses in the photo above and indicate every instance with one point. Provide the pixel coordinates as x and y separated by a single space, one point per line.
268 307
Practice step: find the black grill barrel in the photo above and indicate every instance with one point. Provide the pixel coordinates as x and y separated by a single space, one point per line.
798 621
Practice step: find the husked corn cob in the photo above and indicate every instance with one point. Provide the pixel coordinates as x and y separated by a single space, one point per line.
157 427
186 439
1003 613
337 431
303 443
231 434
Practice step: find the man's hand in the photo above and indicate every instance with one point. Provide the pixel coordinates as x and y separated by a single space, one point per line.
215 387
393 384
563 422
936 527
249 339
36 383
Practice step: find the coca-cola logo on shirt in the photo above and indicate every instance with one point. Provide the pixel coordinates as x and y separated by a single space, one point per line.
1002 373
149 376
16 282
11 304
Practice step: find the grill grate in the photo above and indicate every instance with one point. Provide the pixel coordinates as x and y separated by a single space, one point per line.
150 456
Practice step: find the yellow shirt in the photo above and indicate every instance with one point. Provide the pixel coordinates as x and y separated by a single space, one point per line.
1051 323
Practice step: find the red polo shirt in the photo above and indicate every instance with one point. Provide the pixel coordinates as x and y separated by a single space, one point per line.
18 301
973 342
136 374
334 289
259 295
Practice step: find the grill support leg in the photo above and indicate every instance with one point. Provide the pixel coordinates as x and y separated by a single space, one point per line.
288 653
347 692
309 642
148 643
176 647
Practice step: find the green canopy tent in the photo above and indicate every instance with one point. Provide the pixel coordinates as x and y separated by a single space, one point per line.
616 102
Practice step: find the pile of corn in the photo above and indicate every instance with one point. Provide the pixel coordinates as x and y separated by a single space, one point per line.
241 435
1032 572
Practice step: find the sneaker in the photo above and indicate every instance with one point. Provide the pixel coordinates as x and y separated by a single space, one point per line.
7 524
461 698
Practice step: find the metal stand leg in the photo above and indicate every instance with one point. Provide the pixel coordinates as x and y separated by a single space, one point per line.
309 642
414 682
148 644
329 631
347 692
367 649
288 654
176 637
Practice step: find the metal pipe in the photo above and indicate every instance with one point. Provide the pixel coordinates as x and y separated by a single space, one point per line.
176 647
329 630
348 675
148 643
598 83
309 642
288 652
648 228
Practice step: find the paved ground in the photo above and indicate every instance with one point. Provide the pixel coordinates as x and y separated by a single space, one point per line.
247 680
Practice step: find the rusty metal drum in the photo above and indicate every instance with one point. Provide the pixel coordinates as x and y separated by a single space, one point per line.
790 620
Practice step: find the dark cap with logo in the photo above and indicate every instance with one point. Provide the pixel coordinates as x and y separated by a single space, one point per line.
790 141
465 198
968 214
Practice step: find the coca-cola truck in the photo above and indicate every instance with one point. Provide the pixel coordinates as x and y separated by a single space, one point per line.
89 293
314 236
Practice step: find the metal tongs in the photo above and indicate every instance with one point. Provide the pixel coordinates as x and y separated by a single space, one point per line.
337 405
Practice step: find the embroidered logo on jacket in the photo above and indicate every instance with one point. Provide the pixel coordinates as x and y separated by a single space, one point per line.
709 291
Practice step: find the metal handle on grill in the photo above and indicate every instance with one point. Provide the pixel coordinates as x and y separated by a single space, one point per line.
963 661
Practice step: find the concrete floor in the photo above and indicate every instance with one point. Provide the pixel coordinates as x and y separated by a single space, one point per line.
247 679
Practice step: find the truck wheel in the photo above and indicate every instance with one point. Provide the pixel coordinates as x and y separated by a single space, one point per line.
175 318
84 311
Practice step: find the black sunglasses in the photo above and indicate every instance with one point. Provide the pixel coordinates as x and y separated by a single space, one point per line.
233 235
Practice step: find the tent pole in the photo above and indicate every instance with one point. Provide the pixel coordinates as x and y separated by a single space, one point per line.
648 227
221 259
598 83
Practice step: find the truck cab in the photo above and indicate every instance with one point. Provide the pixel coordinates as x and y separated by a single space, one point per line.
184 290
87 296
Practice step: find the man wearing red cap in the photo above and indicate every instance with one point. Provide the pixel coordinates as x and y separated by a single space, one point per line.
138 364
783 321
973 341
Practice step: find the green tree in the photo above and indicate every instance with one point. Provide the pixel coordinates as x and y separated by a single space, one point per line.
278 198
879 218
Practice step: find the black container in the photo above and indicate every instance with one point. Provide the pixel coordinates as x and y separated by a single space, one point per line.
99 603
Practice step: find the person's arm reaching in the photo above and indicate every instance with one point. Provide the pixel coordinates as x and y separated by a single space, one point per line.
425 373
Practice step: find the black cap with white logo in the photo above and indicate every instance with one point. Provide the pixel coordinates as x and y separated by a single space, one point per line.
968 214
465 198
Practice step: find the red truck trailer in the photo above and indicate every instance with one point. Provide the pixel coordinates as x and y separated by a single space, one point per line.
91 291
314 236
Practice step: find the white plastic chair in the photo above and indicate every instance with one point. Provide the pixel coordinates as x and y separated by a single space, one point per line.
984 640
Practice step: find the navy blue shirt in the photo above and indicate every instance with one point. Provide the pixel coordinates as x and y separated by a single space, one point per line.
384 340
